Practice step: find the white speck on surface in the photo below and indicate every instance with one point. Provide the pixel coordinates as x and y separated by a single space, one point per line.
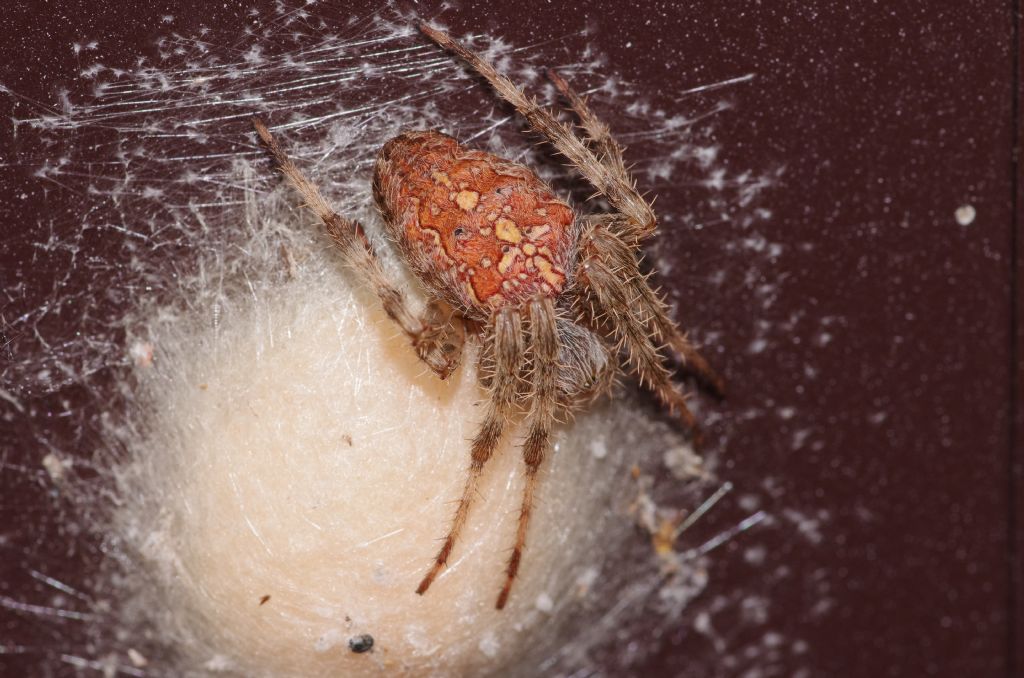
965 215
56 467
757 346
755 555
598 448
702 623
418 637
544 603
800 437
683 462
586 581
137 659
218 664
489 645
327 640
141 353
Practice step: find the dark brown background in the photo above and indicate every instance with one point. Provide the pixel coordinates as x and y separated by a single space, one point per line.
886 117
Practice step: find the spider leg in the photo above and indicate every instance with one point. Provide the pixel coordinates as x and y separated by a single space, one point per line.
615 303
508 358
615 184
436 337
544 347
608 150
648 304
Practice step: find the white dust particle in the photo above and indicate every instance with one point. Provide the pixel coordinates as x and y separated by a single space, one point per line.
56 467
327 640
683 462
141 353
218 664
489 645
137 659
965 215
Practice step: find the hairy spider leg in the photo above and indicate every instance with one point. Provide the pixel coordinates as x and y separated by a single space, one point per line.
436 338
649 305
508 358
605 286
612 183
544 348
610 153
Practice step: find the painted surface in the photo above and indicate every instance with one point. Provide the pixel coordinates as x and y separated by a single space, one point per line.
864 325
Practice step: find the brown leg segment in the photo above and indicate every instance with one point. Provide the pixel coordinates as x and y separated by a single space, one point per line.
648 304
508 359
608 151
544 346
613 303
436 339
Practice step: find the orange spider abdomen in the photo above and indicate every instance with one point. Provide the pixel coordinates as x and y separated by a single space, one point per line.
481 231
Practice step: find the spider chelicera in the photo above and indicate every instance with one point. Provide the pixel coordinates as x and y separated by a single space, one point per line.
554 297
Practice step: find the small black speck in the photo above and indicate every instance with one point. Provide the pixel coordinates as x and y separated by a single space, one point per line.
361 643
264 599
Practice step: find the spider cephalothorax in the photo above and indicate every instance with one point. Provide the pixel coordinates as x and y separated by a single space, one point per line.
552 296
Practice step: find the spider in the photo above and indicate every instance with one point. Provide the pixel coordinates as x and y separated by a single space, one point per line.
553 296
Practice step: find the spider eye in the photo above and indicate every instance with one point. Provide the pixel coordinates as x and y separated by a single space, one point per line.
459 232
